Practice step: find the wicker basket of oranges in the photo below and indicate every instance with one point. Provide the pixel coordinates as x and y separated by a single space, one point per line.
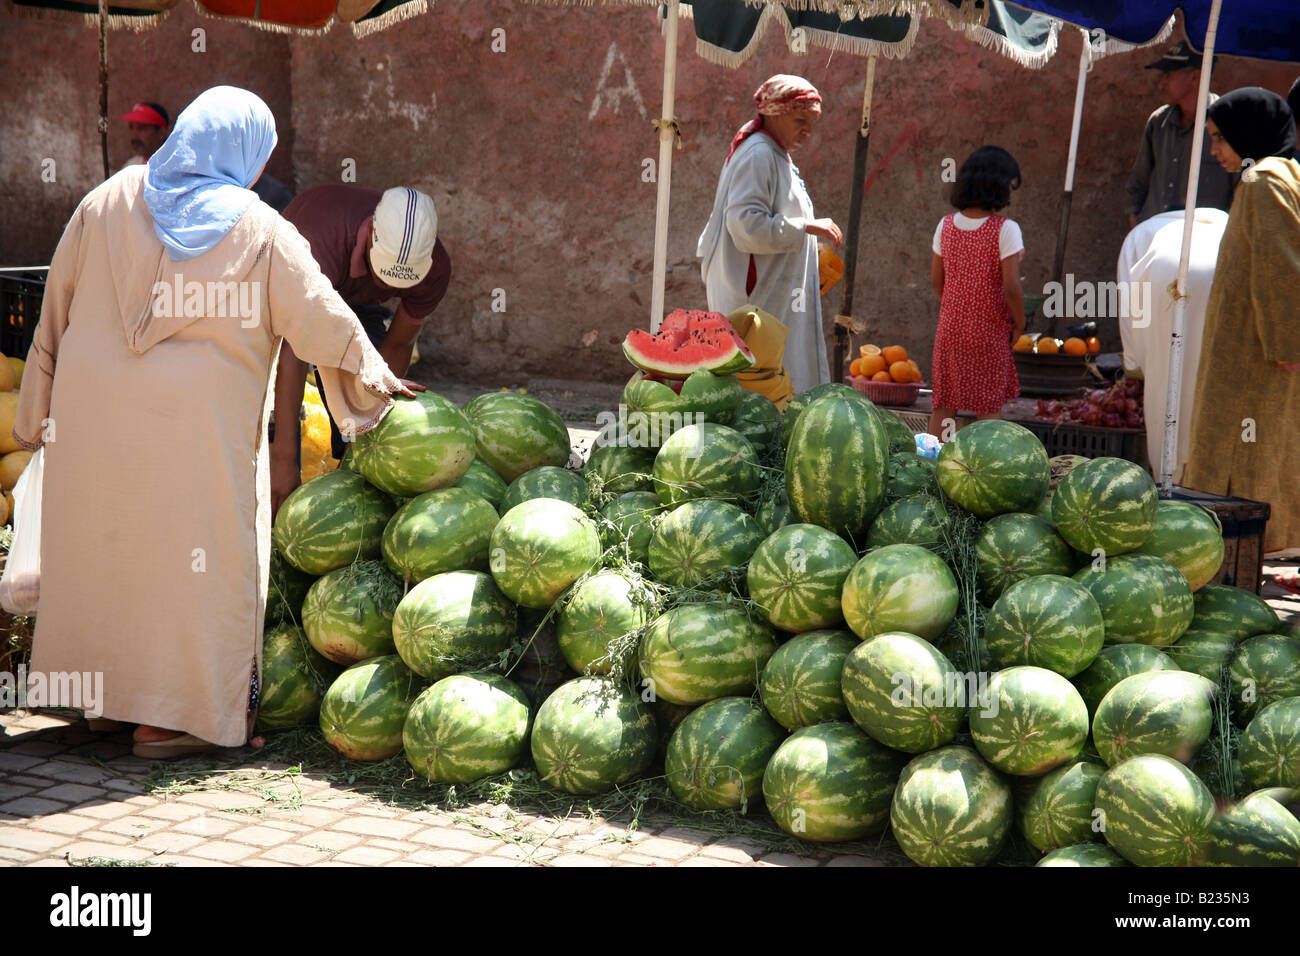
886 376
1049 366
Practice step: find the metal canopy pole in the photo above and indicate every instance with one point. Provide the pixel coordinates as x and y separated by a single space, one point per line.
1085 64
1168 455
844 321
667 136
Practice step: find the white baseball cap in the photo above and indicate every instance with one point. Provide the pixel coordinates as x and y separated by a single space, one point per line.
403 232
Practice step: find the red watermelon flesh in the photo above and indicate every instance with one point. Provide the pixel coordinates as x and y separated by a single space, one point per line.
689 341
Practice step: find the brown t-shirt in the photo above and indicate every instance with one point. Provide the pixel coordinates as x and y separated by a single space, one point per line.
328 218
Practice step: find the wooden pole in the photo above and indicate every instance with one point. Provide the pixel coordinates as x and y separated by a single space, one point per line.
844 321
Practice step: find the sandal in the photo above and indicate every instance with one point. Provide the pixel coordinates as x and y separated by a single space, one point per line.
178 746
103 725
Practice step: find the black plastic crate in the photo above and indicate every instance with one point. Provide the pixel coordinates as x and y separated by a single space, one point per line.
1090 442
20 309
1243 523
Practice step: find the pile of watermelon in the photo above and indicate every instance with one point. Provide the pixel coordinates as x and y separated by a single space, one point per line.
991 655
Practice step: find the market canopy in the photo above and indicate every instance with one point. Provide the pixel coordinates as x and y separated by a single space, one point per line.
298 16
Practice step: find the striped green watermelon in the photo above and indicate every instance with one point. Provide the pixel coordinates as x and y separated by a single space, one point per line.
759 420
1107 504
710 397
362 713
1083 854
541 547
423 443
1143 600
591 735
348 613
800 685
1190 538
1202 652
1269 748
1159 712
835 465
1155 812
629 518
651 411
698 652
994 467
904 693
1048 621
1058 811
774 514
1258 831
484 482
900 436
796 575
515 433
452 622
466 727
617 469
294 678
1113 664
794 408
701 541
830 782
910 474
918 519
1230 610
331 521
285 591
900 587
443 530
1264 669
950 809
1012 547
1032 721
547 481
600 625
705 461
716 756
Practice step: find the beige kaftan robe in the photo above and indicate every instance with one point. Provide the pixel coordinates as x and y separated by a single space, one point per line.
156 507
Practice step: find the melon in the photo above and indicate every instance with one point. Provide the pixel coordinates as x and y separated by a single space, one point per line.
1269 748
796 575
951 809
1045 621
697 652
1229 610
617 469
688 341
600 625
286 589
759 420
904 693
592 734
1143 599
1263 669
1155 812
466 727
717 754
909 474
1160 712
1107 505
484 482
539 548
1190 538
1058 810
547 481
1083 854
901 587
918 519
362 713
628 523
800 685
994 467
1258 831
1202 652
294 679
705 461
451 622
1113 664
331 521
1012 547
422 443
801 401
443 530
515 433
348 613
1031 721
701 542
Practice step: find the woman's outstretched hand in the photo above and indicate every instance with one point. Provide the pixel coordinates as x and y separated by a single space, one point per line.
409 388
826 229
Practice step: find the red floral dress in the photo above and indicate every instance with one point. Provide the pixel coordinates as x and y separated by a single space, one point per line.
972 366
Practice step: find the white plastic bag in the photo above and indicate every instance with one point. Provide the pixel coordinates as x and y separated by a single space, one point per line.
20 586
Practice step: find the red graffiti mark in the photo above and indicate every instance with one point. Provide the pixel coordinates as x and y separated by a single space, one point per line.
907 138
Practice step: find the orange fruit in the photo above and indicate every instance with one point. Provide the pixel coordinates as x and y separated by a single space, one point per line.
881 377
855 368
895 353
1023 344
1047 346
1094 346
1075 346
900 371
871 364
866 350
916 370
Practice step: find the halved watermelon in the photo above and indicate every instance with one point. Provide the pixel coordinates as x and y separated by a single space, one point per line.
689 341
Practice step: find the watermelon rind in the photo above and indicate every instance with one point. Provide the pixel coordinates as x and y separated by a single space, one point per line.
515 433
294 678
900 587
1166 712
591 735
1229 610
993 467
1047 621
1143 599
1269 747
800 685
1105 504
330 521
1155 812
1058 811
443 530
423 443
348 613
950 809
1029 721
698 652
904 693
1112 664
717 754
1263 669
452 622
1190 538
539 548
1258 831
546 481
362 713
795 577
466 727
702 542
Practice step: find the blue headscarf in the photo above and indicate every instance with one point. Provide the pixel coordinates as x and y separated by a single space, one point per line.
197 184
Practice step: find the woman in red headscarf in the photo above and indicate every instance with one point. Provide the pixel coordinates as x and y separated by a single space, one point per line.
760 245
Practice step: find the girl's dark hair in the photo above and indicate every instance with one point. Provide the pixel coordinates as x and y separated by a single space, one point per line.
986 179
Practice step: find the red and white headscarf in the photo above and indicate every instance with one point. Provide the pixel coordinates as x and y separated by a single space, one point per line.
778 94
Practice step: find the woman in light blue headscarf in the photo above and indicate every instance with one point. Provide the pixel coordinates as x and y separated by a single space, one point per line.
165 307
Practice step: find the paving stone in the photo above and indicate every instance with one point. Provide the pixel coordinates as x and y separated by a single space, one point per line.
173 811
82 850
289 826
378 827
125 785
297 854
331 840
688 835
32 807
449 838
72 793
579 859
316 817
10 791
68 823
16 855
666 849
70 771
37 748
733 849
699 861
636 859
853 861
169 842
222 800
397 846
206 825
117 839
51 862
520 851
259 836
786 859
180 859
134 826
263 861
366 856
27 780
221 850
110 810
491 861
438 857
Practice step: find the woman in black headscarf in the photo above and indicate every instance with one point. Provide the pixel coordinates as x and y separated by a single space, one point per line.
1244 436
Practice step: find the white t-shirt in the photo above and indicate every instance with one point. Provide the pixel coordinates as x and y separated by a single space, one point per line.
1010 240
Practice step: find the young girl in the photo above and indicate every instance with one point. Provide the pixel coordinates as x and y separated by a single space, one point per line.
975 273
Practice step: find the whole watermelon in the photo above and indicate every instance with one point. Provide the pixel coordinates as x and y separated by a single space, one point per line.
1159 712
1083 854
546 481
1106 504
600 625
706 397
1263 669
919 519
1230 610
1031 721
294 678
348 613
592 734
950 809
800 685
904 693
794 408
331 521
1112 664
901 439
706 461
1269 748
443 530
1143 600
484 482
466 727
702 541
617 469
541 547
1058 811
994 467
835 465
423 443
698 652
774 514
1047 621
629 524
910 474
717 755
901 587
362 713
286 589
1155 811
1202 652
796 575
830 782
1190 538
514 433
759 420
1016 546
1258 831
452 622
